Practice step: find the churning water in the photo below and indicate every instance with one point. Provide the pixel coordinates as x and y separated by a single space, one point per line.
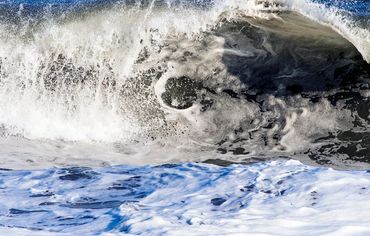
100 83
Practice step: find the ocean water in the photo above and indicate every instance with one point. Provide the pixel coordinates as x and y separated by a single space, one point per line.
176 117
272 198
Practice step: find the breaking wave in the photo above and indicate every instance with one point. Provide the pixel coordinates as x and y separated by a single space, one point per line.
242 80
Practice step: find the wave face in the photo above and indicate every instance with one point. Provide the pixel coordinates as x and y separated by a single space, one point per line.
235 80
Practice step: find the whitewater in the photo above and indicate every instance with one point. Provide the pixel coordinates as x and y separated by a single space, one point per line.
195 117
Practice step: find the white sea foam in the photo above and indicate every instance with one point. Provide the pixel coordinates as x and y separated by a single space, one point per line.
273 198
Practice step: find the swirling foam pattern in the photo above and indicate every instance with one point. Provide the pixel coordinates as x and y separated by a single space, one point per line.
273 198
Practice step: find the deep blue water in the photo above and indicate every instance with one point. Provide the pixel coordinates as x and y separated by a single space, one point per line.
358 7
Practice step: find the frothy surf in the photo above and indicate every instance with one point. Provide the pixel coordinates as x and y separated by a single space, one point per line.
273 198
